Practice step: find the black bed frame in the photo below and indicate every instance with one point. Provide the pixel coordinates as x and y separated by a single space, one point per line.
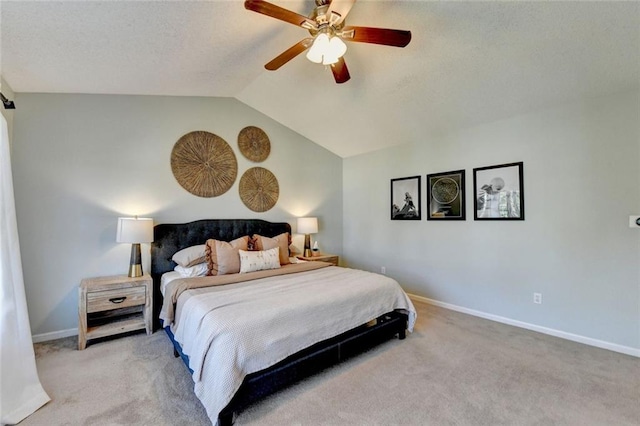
169 238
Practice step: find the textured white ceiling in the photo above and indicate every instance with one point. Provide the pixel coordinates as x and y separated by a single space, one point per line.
467 63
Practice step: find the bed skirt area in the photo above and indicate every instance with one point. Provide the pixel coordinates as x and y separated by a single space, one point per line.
308 361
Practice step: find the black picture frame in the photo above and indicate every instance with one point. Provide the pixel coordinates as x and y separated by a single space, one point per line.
446 196
498 192
403 195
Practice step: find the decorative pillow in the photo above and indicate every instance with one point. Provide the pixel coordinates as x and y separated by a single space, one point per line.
251 261
252 243
190 256
199 270
281 241
223 258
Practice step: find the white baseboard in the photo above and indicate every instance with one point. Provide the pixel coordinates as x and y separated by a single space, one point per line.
550 331
45 337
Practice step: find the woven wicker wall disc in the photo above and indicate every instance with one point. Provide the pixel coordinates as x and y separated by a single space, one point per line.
254 144
204 164
259 189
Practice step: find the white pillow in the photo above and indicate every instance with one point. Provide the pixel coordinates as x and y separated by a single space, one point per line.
190 256
251 261
199 270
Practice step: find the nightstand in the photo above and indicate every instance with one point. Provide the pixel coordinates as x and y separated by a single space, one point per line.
329 258
113 305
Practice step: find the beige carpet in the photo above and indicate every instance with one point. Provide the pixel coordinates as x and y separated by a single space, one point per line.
453 370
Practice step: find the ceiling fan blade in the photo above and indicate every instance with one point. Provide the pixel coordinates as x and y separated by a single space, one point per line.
340 71
280 13
289 54
338 10
397 38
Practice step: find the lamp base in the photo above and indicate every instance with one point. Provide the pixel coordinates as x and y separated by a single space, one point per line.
135 270
307 245
135 264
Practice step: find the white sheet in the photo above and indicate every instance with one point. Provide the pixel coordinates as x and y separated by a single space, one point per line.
166 278
234 330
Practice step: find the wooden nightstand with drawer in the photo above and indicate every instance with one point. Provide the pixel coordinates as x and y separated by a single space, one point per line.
329 258
113 305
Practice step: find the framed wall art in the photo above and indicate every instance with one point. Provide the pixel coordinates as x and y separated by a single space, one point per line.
446 196
405 198
499 192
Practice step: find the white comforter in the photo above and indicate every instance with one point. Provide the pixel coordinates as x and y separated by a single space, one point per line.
233 330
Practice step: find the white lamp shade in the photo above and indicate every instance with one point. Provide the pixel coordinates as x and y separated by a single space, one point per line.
307 225
134 230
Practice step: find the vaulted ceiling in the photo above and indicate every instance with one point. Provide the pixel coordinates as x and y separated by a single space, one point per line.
467 63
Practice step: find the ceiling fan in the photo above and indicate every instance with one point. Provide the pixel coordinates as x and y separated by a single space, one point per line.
326 25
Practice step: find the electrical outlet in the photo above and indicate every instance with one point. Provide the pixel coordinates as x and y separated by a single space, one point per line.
383 270
537 298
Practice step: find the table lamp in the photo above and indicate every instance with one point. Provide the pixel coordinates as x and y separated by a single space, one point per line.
135 230
307 226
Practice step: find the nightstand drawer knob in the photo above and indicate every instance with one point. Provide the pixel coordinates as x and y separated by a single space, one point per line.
117 299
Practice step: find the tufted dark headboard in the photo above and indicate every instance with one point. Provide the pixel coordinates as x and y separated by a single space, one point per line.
169 238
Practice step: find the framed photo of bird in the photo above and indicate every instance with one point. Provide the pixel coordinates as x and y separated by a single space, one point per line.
446 196
405 198
499 192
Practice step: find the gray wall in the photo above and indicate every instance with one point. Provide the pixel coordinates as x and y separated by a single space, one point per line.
80 161
581 177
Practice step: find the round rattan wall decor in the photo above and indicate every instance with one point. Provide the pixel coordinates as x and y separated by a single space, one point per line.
254 144
259 189
204 164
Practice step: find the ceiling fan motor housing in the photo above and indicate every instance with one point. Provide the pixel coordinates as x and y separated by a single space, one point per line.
326 24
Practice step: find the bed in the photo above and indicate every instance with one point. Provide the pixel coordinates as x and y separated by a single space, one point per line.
201 318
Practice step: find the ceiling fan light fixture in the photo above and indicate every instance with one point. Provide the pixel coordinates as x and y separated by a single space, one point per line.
326 50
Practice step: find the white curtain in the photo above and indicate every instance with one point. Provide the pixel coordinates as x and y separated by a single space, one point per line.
20 391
